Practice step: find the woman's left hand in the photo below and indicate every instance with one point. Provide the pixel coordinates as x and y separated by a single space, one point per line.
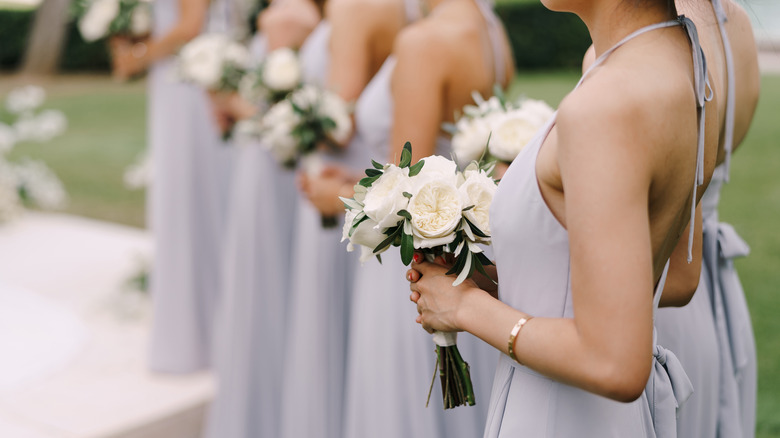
323 190
438 301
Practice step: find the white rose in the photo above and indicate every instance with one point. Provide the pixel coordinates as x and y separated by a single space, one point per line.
40 184
538 109
470 140
368 237
478 190
26 128
201 60
96 22
437 167
277 126
50 124
141 19
237 55
24 99
306 97
385 198
435 208
335 108
511 133
282 70
7 138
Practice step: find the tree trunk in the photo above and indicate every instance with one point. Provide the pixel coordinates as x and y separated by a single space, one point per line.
47 38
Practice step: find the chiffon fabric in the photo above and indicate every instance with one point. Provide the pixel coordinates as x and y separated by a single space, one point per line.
391 360
713 333
250 326
532 257
312 402
186 213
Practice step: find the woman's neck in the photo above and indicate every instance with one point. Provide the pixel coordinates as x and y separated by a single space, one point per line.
609 21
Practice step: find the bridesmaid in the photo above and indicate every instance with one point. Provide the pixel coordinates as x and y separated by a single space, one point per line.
186 202
342 54
584 223
465 49
712 335
250 321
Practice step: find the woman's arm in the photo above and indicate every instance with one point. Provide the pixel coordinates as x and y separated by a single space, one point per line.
288 23
137 58
418 85
606 175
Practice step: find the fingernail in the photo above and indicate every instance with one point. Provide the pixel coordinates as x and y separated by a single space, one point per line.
409 276
417 257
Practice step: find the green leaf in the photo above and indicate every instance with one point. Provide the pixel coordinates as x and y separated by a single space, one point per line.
484 260
368 181
405 214
475 229
389 240
407 248
377 166
373 172
460 263
407 195
406 155
414 170
468 208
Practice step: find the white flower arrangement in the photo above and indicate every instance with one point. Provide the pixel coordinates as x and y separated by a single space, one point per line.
509 127
273 79
101 18
28 182
294 127
433 208
213 61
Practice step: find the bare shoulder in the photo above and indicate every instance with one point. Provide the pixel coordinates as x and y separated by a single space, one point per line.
295 13
360 12
635 104
421 43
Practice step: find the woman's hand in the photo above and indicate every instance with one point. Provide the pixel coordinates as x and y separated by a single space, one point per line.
323 190
438 301
128 59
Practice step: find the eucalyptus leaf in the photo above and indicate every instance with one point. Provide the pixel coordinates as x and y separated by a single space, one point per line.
406 156
407 248
414 170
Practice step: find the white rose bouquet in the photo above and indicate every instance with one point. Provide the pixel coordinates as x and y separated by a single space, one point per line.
294 127
213 61
25 181
434 208
102 18
508 125
273 79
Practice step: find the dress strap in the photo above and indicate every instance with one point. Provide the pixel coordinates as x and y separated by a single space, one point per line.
660 288
704 94
731 93
494 34
630 37
412 10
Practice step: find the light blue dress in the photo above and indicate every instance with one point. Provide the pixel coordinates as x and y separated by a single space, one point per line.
251 320
314 368
532 256
187 204
713 334
391 360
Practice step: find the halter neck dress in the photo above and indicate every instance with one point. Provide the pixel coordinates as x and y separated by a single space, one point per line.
532 255
250 324
390 359
724 371
314 366
186 205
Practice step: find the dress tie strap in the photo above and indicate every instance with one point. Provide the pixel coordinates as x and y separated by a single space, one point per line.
704 94
731 93
494 33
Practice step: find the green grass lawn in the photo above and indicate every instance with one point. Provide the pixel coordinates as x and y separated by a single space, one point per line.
107 131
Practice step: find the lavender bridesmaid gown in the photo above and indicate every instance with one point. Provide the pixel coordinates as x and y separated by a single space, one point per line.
532 255
314 365
391 360
186 213
250 322
713 334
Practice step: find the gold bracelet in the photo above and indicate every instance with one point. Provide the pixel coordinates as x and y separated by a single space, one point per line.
513 336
